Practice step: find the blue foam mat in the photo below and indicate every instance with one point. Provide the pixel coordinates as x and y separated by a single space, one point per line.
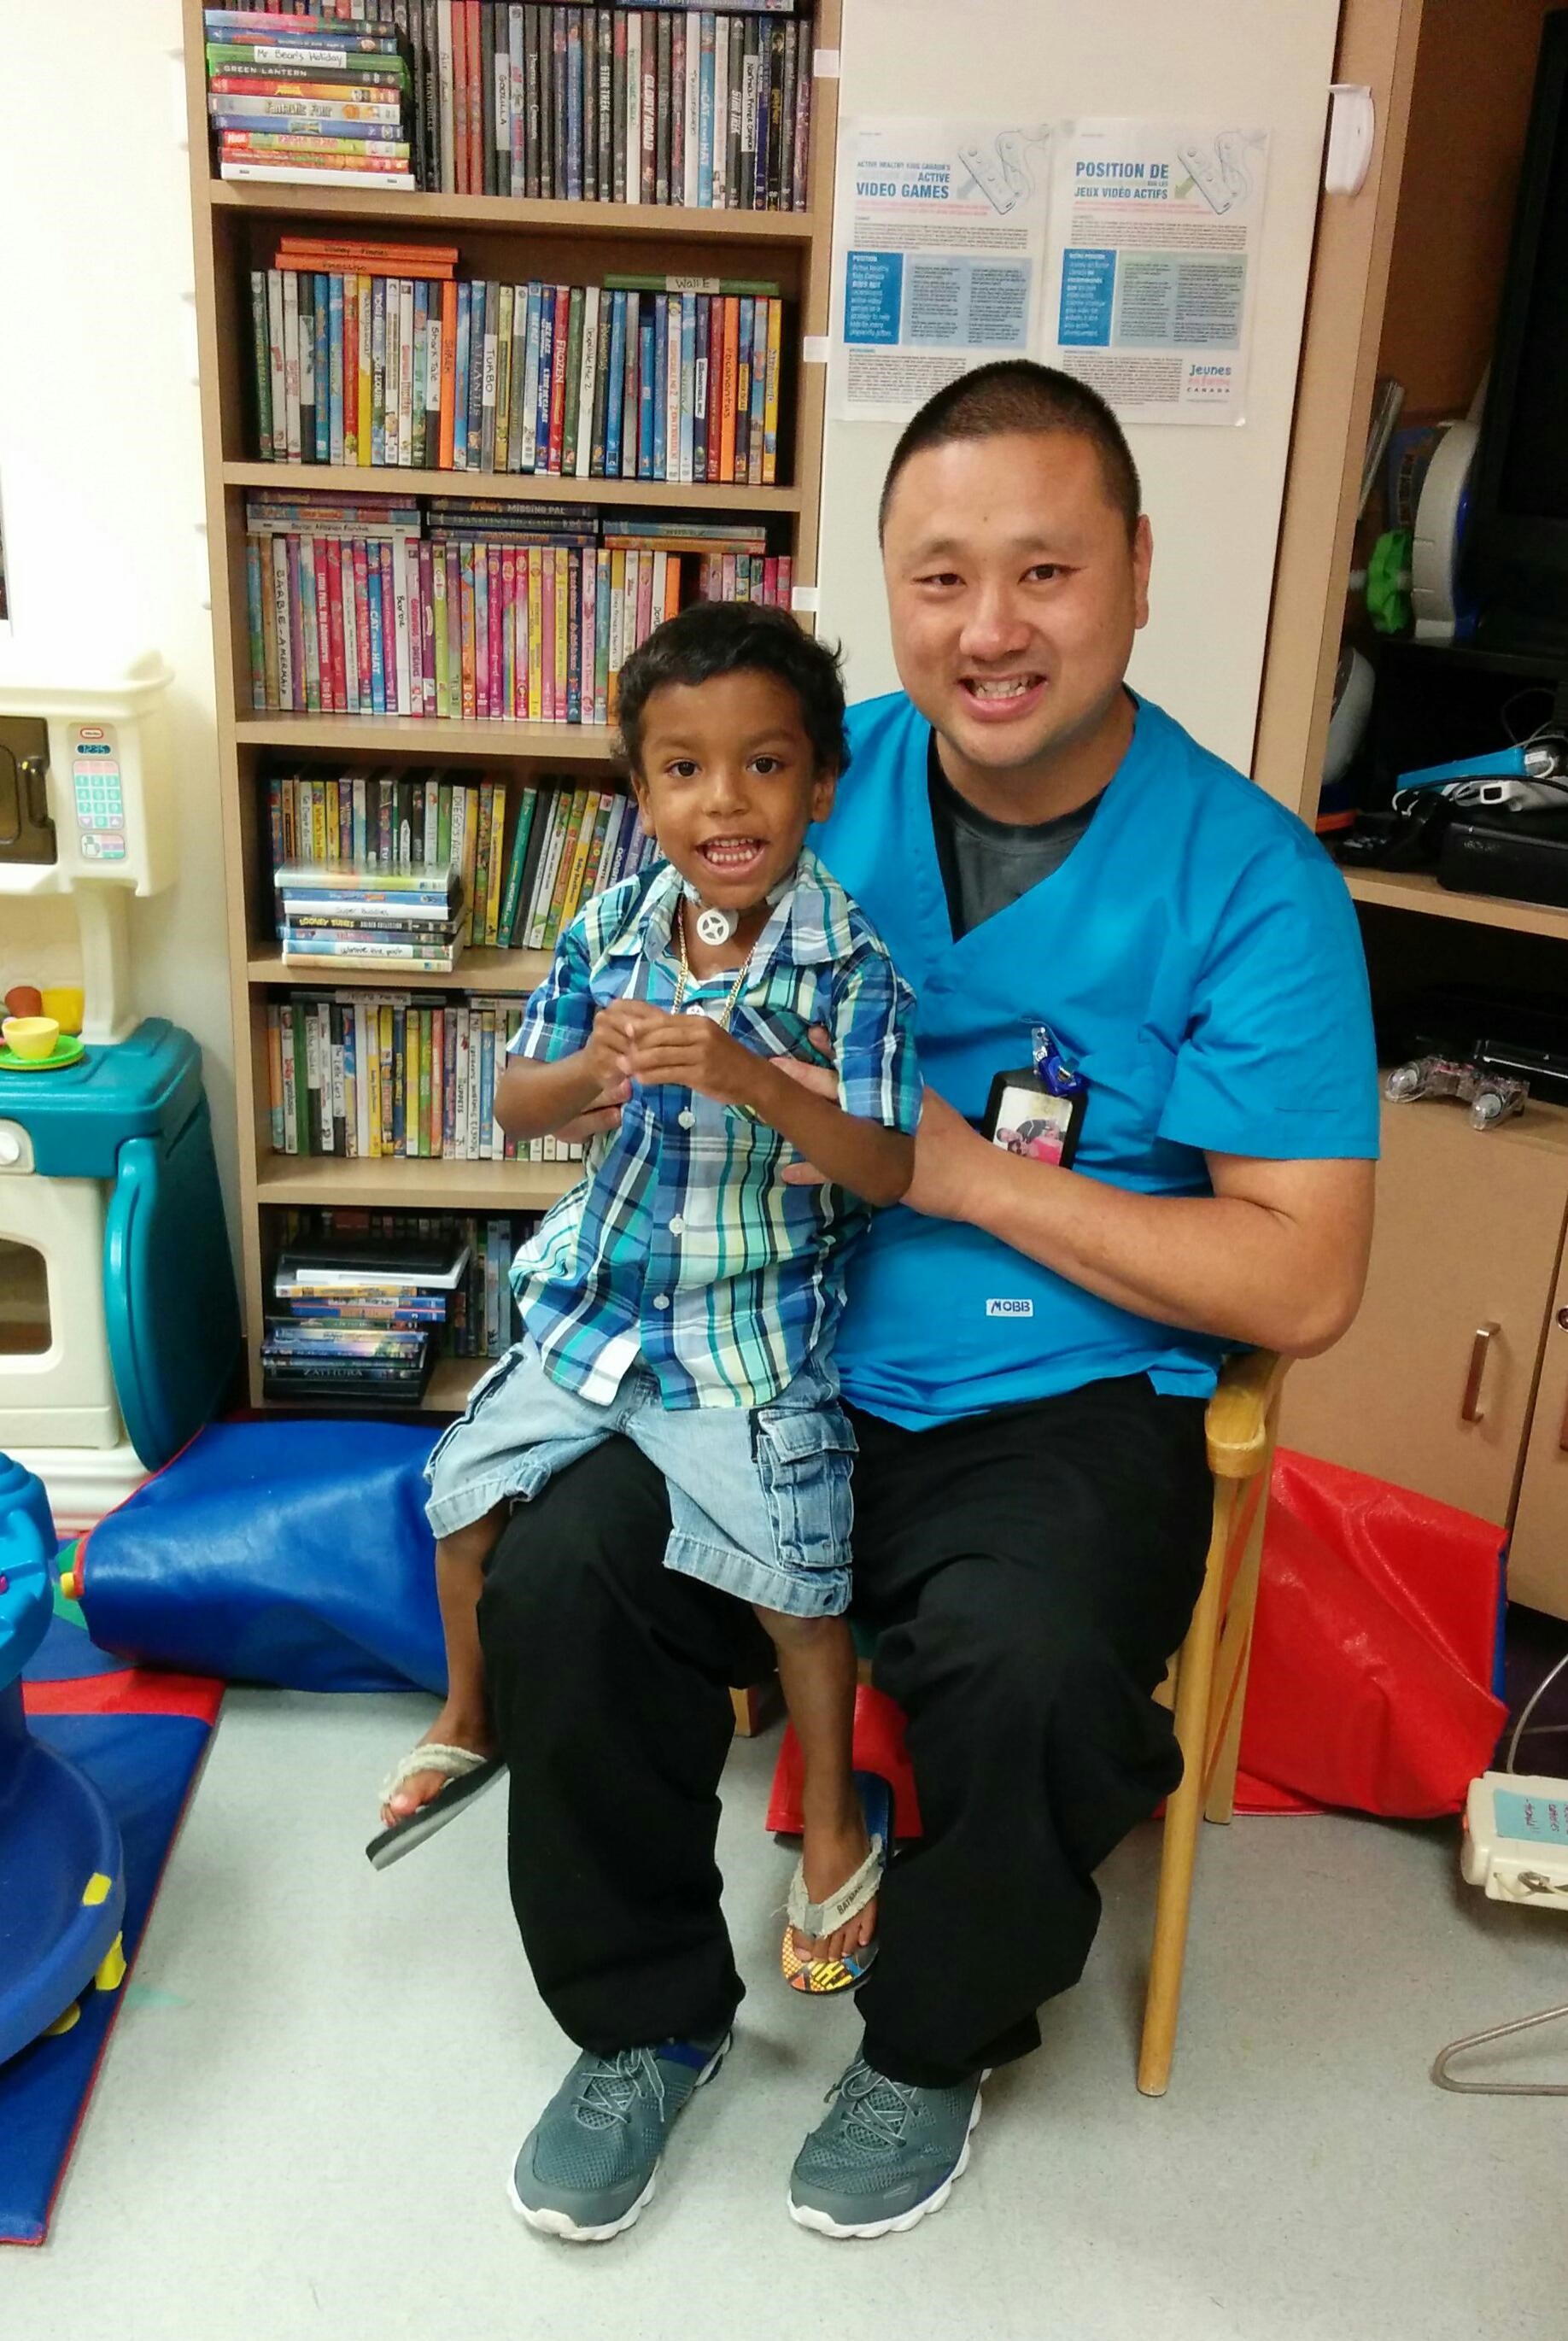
294 1553
65 1654
143 1765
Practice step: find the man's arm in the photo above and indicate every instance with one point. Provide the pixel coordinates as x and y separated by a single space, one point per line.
1276 1256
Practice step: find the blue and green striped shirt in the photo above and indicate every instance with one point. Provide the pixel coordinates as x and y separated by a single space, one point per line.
682 1245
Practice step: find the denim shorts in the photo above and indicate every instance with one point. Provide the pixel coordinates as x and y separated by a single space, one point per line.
759 1497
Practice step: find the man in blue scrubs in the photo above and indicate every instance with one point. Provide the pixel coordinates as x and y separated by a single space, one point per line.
1066 879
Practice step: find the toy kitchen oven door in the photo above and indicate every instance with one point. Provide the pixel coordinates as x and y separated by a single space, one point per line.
119 1321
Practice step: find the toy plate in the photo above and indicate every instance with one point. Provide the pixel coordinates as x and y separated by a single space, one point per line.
66 1051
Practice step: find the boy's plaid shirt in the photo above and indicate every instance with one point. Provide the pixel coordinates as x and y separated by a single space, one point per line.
683 1245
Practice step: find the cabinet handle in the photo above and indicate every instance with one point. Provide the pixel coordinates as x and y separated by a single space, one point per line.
1472 1409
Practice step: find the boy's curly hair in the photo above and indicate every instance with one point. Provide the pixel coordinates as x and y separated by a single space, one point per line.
718 638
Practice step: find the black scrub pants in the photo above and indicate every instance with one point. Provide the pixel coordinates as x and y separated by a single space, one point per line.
1028 1573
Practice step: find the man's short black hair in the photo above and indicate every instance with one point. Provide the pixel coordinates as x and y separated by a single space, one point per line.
1015 394
717 638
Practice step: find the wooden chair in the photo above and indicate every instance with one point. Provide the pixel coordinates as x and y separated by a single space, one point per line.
1207 1681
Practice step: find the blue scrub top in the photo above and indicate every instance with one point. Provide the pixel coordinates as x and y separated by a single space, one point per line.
1198 960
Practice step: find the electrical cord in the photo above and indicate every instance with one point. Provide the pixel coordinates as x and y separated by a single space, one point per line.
1530 1704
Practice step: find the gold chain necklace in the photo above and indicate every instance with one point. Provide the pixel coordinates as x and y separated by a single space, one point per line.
728 1009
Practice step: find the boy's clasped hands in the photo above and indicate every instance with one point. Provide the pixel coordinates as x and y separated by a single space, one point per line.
631 1041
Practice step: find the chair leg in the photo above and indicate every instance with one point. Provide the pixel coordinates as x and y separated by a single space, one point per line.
755 1707
1220 1804
1220 1801
1183 1812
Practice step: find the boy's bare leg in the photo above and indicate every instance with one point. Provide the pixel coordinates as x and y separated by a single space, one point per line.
465 1719
817 1670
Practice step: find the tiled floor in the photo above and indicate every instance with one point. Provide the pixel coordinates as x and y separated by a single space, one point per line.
313 2095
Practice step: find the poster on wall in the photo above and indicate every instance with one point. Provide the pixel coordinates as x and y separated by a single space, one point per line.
941 257
1155 236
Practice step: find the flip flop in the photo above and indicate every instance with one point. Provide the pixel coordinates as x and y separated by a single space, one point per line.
821 1976
467 1777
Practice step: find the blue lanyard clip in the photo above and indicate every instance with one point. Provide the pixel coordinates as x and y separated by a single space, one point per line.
1059 1078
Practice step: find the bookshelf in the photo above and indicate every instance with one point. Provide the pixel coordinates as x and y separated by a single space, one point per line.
442 1186
1418 890
235 229
520 489
483 970
638 222
427 742
451 1382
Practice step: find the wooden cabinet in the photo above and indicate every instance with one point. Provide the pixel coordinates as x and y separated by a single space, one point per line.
1454 1381
1433 1387
1538 1550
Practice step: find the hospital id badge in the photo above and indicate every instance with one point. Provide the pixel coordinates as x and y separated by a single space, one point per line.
1038 1110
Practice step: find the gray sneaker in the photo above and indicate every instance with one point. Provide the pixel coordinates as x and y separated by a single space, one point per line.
589 2164
886 2155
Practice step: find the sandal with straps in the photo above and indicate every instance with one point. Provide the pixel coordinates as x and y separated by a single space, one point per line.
803 1972
466 1777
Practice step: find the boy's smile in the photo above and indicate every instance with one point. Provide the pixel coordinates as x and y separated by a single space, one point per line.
728 783
731 857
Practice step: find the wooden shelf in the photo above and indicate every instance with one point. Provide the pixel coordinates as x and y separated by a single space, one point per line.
509 487
236 225
446 1392
378 1183
521 972
449 1385
1418 890
1541 1127
666 222
433 736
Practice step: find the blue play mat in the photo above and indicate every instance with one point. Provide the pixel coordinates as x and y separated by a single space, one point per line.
97 1759
62 1879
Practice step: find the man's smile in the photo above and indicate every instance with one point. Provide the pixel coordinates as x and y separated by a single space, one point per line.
1001 697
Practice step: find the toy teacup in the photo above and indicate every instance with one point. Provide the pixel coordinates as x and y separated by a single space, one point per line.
32 1038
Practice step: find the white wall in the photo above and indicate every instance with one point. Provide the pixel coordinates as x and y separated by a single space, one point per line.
1214 494
100 450
100 454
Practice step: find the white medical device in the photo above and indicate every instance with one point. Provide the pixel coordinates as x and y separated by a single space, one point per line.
1516 1839
1515 1849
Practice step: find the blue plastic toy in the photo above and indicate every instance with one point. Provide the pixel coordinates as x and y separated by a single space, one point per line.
61 1878
107 1176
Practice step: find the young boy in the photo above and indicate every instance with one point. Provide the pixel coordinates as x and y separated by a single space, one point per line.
684 1294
